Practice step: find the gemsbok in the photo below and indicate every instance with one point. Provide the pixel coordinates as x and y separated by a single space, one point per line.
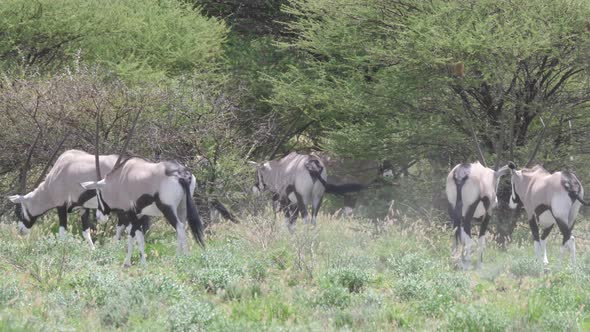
295 181
138 187
471 193
61 190
548 199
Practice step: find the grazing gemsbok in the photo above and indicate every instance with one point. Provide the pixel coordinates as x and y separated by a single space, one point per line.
548 199
297 180
471 193
139 187
61 190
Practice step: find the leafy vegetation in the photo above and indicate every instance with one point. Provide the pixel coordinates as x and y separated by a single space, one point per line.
417 85
397 279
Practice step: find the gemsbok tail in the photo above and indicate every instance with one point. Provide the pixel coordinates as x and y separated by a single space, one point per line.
194 221
315 170
460 176
224 211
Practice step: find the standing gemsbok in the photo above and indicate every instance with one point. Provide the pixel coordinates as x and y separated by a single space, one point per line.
139 187
61 190
548 199
297 180
471 192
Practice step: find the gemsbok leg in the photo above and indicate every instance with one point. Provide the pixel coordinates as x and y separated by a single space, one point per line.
568 240
86 228
543 242
136 234
482 237
62 213
315 208
172 218
302 207
535 232
466 235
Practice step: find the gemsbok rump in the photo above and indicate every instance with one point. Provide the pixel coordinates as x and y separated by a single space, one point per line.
471 193
297 180
548 199
61 190
139 187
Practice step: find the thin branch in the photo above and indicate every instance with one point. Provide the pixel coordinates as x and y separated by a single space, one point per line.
55 151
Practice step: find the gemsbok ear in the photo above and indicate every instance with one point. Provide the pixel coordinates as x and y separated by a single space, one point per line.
512 165
16 199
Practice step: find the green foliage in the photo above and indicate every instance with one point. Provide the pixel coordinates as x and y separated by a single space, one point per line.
526 266
363 281
134 38
351 278
476 318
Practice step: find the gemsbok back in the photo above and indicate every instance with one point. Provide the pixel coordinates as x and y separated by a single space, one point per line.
471 193
61 190
548 199
139 187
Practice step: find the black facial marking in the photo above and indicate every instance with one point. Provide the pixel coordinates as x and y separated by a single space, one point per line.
18 210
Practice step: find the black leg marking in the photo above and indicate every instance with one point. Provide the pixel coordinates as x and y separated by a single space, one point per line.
564 229
486 218
456 219
167 212
85 220
484 225
534 227
122 219
546 232
135 224
468 216
62 213
301 205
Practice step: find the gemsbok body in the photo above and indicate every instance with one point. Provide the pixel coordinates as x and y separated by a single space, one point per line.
61 190
296 181
138 187
548 199
471 193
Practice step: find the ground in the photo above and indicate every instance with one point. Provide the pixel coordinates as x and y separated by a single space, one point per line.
345 274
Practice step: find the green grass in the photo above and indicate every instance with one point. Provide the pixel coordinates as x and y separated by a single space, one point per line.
341 275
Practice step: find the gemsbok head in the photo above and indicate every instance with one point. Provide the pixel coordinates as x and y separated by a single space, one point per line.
548 199
471 193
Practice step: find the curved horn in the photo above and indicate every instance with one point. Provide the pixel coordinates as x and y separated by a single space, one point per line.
53 154
129 135
96 145
25 169
538 145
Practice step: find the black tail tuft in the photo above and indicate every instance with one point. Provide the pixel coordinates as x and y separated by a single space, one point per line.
343 188
224 211
192 214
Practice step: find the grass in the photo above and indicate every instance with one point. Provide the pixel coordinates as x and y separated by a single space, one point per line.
345 274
